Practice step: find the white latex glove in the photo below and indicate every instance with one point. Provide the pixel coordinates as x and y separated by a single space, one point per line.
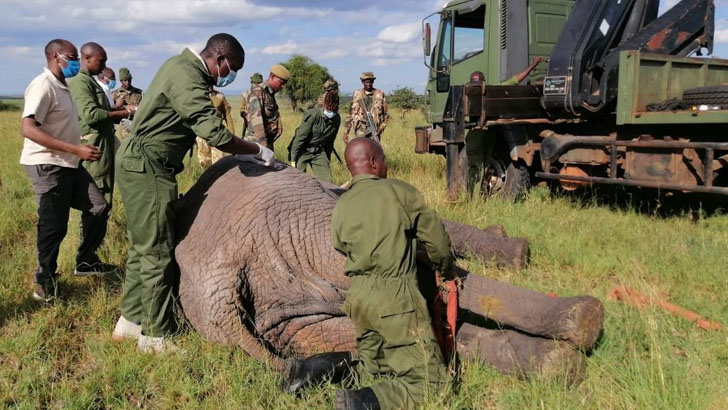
266 156
292 163
249 158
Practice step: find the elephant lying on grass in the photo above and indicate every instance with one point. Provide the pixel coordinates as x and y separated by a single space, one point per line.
258 270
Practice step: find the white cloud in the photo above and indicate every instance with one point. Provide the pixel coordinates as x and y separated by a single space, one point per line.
381 52
288 47
22 54
401 33
383 62
721 36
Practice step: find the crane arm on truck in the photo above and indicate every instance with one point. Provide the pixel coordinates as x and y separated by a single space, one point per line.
583 68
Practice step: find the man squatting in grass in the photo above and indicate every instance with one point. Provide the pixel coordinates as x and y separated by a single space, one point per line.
313 142
51 152
96 118
376 225
175 109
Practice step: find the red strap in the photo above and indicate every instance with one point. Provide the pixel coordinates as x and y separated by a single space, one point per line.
445 332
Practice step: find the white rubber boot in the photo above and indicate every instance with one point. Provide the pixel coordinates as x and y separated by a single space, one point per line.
148 344
125 329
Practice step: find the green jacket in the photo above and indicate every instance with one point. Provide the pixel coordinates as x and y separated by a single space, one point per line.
377 224
175 109
92 105
315 134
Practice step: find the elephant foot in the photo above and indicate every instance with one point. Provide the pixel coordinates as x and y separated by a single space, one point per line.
521 355
581 321
489 243
576 320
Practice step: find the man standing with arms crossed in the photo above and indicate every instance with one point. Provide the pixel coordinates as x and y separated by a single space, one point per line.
175 109
255 79
51 152
264 123
96 118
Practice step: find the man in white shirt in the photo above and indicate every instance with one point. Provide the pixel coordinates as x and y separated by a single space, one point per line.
50 156
107 81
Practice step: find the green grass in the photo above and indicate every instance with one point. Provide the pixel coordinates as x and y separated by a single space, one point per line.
62 356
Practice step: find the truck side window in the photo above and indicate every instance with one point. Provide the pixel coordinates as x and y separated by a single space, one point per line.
469 34
443 60
444 57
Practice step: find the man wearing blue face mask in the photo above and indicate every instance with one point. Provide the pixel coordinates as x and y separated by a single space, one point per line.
51 152
313 141
175 109
96 118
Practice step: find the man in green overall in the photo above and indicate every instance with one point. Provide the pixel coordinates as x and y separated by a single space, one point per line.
96 118
377 225
313 142
175 109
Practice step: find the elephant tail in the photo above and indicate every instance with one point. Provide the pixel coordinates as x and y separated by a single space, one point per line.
252 346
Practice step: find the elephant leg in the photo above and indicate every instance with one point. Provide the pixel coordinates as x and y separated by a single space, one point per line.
489 243
518 354
576 320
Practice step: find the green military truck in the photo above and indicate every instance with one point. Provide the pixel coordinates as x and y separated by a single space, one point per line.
619 102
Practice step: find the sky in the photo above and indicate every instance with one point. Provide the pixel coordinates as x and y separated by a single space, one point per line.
347 36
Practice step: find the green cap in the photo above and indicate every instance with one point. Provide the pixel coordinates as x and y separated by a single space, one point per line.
124 74
367 75
256 78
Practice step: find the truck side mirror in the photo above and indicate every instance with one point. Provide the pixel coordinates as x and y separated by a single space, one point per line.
426 39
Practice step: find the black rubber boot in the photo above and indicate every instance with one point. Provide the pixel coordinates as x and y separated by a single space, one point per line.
363 399
299 374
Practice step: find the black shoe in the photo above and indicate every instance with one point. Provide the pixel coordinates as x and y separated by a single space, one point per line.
299 374
363 399
95 268
45 292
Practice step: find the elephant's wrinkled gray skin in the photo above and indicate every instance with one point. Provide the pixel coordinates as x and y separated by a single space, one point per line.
258 271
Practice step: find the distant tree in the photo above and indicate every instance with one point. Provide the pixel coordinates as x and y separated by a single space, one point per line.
307 80
405 99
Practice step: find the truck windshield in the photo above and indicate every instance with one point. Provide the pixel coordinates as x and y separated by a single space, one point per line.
469 34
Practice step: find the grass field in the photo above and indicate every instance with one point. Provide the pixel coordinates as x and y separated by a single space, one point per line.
62 355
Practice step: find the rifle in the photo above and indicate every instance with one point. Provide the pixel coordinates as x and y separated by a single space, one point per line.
372 131
371 128
336 154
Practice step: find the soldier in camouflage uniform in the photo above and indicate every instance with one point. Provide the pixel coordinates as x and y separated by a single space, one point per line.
367 99
255 79
264 121
131 96
207 155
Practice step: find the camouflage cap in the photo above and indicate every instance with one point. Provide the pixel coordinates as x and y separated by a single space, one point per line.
367 75
124 74
256 78
331 84
280 71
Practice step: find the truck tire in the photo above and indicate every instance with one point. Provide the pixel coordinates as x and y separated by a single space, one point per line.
511 181
517 183
715 95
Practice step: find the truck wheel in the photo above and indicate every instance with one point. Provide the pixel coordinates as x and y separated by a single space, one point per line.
511 181
715 95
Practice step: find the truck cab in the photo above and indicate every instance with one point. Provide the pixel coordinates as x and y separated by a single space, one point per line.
497 37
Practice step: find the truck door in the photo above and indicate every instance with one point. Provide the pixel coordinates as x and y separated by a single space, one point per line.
461 49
